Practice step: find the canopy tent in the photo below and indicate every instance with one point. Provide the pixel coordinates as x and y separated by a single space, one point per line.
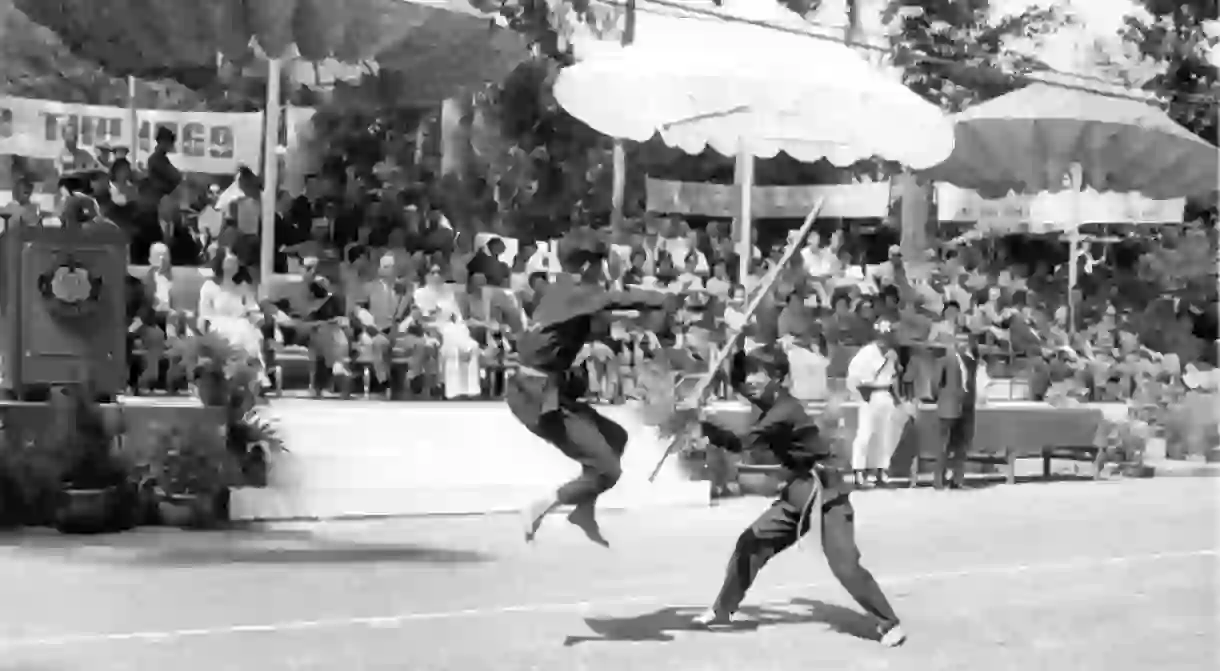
1060 136
445 45
748 78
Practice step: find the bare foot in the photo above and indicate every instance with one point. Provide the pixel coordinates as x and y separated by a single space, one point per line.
533 515
583 516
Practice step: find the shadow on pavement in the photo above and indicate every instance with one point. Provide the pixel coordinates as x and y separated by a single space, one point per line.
314 553
172 548
43 539
659 626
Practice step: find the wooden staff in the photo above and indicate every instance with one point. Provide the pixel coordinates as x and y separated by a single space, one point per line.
698 395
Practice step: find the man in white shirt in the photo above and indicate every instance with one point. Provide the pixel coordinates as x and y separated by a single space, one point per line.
872 377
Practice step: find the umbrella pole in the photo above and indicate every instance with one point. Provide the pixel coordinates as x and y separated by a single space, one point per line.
618 195
743 179
271 139
133 116
1076 184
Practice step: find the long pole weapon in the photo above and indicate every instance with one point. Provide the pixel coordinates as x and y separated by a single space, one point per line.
698 395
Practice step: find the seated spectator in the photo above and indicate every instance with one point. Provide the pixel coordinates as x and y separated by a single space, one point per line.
142 333
946 330
519 278
636 270
313 317
169 322
319 248
229 307
666 274
719 284
487 262
460 260
476 309
529 300
809 363
891 300
435 296
689 280
795 320
386 304
459 356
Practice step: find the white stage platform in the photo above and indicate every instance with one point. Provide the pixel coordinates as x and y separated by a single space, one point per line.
369 458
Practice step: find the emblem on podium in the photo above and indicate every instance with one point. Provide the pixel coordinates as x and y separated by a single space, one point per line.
69 289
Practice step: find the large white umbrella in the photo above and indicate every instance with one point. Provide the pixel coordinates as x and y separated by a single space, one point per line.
749 78
1056 136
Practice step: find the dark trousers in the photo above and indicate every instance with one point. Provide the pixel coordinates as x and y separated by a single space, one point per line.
780 527
955 438
579 431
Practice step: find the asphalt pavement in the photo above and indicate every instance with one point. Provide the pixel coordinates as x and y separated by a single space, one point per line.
1079 576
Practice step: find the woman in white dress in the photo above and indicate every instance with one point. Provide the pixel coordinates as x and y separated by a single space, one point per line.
459 357
228 306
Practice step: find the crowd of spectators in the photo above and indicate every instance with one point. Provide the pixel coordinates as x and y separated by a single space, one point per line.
410 305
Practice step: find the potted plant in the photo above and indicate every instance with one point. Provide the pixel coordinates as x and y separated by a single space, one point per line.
225 377
193 470
29 481
1123 442
209 361
97 491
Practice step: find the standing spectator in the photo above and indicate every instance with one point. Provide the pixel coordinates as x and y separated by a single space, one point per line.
955 387
163 177
872 376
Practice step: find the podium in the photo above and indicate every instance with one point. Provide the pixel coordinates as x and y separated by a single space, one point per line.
63 309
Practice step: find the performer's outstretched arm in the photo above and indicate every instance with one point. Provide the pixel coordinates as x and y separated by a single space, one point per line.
641 299
776 419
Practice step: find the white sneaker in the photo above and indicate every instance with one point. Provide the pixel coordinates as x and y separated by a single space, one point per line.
894 637
713 618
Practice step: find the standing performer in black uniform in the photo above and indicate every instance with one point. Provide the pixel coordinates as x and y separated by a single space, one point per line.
544 394
787 430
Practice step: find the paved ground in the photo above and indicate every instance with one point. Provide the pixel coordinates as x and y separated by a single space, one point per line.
1075 576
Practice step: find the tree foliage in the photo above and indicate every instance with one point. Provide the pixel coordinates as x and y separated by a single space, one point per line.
954 54
1175 34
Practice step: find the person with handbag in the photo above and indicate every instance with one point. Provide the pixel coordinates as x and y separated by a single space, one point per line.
872 378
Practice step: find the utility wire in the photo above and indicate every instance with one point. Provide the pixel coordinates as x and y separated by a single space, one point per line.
1201 99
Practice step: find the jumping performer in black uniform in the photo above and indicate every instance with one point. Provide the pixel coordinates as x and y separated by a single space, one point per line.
787 430
545 396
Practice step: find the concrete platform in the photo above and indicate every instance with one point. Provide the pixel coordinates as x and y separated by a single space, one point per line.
370 458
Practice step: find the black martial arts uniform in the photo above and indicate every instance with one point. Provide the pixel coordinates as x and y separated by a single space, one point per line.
545 396
790 433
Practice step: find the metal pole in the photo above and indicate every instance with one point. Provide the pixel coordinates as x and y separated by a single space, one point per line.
271 141
133 117
618 195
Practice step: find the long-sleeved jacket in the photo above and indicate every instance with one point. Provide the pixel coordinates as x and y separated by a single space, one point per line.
566 319
784 428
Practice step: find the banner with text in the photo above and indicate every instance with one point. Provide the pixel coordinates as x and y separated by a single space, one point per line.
846 201
208 142
1049 212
